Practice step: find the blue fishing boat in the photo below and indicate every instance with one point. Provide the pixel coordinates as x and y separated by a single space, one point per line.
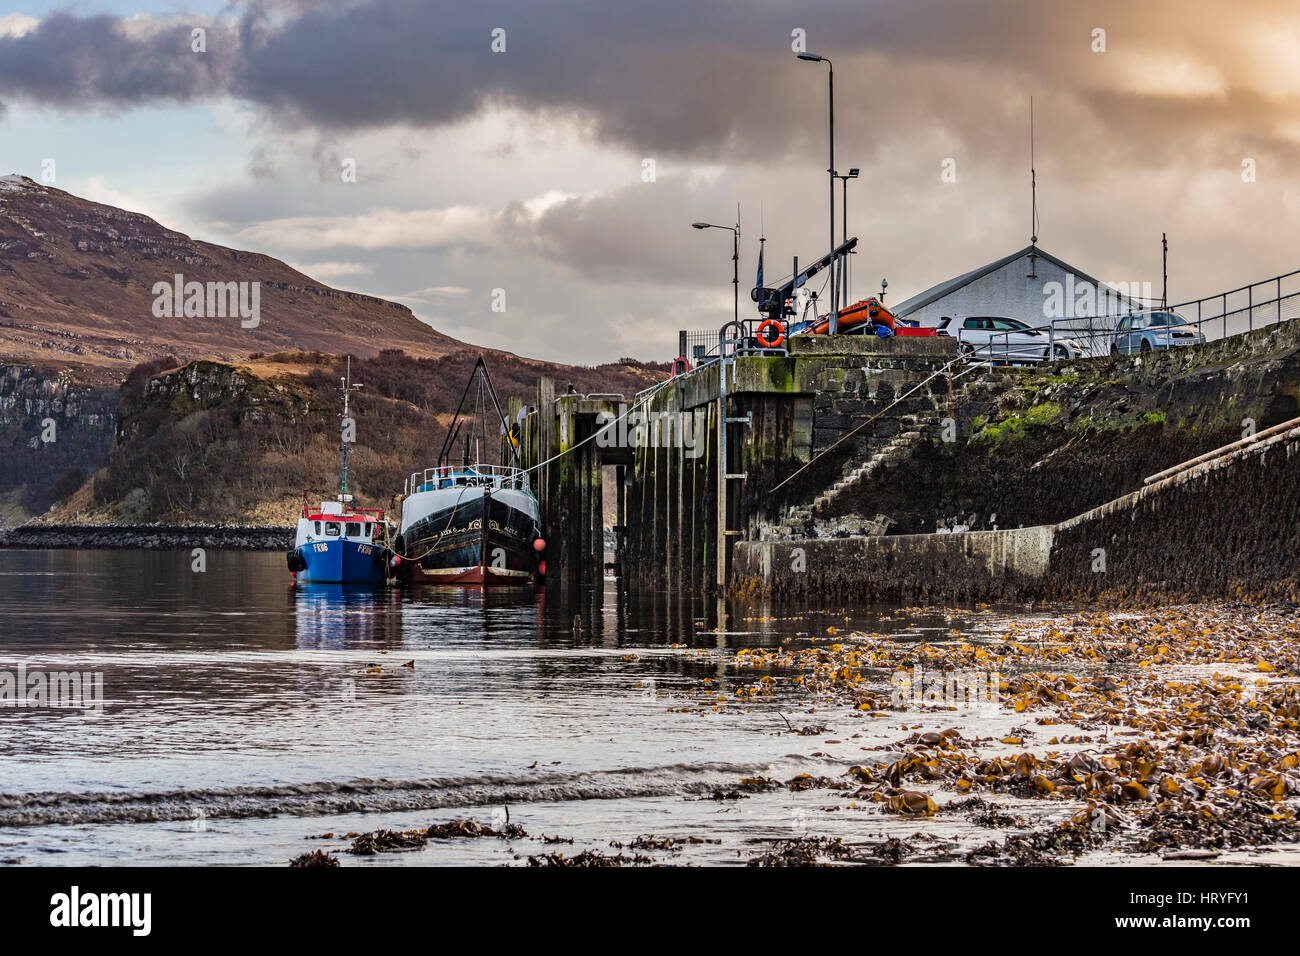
339 543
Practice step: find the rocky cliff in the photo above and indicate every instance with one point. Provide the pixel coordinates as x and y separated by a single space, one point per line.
54 432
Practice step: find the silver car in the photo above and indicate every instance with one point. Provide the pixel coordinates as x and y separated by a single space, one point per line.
1004 339
1152 331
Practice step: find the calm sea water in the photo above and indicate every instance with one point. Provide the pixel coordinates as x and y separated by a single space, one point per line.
242 714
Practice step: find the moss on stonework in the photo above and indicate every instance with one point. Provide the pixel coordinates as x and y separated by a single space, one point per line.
780 375
1015 426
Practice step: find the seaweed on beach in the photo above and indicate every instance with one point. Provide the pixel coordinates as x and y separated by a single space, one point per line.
392 841
315 858
1178 732
826 851
589 858
472 828
386 841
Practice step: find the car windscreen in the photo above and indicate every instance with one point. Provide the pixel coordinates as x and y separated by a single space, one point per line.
1165 318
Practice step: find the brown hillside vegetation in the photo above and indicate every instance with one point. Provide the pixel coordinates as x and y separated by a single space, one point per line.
213 441
76 291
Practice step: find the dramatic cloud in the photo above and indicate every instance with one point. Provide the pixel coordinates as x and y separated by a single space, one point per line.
523 169
678 77
377 229
102 61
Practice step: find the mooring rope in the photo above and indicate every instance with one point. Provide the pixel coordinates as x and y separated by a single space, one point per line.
440 533
604 428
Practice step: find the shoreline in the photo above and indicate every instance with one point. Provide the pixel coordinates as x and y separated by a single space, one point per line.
147 537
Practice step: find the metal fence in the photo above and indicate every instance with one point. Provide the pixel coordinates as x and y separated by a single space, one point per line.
1246 309
703 346
1250 307
697 345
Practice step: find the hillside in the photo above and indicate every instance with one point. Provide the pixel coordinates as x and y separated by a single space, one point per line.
239 442
116 413
76 292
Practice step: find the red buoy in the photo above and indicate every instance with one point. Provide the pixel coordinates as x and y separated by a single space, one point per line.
539 545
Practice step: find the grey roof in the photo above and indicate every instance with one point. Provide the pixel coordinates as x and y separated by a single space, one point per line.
921 300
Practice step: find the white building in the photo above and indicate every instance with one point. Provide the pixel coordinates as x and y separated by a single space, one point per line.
1035 287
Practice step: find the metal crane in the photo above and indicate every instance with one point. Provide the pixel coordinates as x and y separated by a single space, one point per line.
773 302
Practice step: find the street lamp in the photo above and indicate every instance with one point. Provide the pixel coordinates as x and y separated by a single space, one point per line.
844 273
818 58
735 259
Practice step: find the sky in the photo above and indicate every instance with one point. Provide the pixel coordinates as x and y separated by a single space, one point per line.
523 174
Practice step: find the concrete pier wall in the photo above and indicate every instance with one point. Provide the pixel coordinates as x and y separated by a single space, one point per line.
905 567
1227 528
849 427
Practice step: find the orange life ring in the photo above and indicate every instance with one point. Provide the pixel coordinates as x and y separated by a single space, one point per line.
772 343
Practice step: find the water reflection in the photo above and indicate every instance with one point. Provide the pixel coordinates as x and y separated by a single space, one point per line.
343 615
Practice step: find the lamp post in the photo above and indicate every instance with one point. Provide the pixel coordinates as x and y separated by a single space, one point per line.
818 58
844 273
735 259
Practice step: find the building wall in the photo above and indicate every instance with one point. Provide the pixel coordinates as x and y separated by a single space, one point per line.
1011 292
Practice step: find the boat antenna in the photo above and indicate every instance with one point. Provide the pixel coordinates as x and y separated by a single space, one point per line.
347 388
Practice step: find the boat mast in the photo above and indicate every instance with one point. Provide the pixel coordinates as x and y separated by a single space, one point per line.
347 389
485 390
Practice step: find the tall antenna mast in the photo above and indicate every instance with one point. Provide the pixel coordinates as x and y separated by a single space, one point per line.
1164 270
1033 199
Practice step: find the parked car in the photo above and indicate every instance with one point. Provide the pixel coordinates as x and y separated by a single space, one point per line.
1151 331
1004 339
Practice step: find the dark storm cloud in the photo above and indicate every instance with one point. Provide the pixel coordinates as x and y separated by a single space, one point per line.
676 77
101 61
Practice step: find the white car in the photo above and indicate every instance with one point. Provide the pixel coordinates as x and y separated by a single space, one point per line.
1004 339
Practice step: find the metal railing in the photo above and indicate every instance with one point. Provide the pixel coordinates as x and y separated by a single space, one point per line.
1237 311
458 476
697 345
1000 348
1250 307
704 347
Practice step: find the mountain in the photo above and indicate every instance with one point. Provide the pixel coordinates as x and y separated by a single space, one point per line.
114 407
77 290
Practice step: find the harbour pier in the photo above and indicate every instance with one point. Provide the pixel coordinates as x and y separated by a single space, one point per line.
770 427
890 469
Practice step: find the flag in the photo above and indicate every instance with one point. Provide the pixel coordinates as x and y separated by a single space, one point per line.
758 282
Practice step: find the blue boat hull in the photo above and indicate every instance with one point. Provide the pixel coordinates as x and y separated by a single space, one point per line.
342 562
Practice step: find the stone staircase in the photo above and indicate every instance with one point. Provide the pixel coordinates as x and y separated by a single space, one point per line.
799 519
803 520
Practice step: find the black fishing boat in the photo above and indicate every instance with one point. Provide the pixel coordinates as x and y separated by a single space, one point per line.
471 522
